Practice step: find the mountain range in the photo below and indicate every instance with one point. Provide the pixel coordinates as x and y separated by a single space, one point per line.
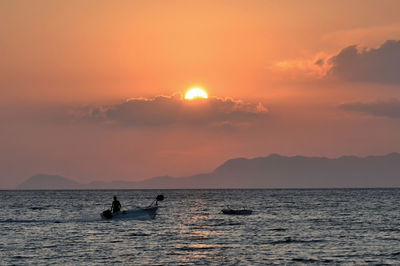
273 171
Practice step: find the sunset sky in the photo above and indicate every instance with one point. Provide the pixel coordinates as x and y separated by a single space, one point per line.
94 90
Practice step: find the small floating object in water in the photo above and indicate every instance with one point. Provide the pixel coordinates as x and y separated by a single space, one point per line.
237 212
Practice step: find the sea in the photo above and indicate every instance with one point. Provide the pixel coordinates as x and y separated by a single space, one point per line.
287 226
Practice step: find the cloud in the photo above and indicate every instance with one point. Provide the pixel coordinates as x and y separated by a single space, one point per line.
353 64
379 65
390 108
300 69
174 110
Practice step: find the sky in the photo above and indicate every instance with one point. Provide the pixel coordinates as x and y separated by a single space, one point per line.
94 90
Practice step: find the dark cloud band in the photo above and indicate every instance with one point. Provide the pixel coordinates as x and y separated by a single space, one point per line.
389 108
169 110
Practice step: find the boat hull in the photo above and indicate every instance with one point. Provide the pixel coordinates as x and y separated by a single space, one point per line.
130 214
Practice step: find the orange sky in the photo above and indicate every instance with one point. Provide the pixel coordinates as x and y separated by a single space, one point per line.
68 68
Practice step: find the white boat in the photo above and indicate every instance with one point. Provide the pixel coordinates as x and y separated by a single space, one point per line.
129 214
145 212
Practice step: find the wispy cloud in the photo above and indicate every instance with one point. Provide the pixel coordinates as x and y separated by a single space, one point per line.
314 68
389 108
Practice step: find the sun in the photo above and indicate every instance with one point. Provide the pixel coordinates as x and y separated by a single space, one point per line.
196 93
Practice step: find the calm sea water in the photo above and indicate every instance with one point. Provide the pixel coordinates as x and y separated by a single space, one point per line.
352 226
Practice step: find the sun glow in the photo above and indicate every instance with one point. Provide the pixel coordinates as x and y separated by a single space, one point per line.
196 93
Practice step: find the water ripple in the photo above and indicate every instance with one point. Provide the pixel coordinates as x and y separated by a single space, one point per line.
288 227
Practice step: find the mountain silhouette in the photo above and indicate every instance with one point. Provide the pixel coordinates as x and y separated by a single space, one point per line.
274 171
43 181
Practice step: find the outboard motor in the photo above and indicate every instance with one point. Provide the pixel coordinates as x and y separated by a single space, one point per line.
160 198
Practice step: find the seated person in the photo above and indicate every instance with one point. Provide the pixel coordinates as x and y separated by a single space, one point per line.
116 205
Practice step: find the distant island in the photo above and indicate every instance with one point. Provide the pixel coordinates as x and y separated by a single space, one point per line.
42 181
274 171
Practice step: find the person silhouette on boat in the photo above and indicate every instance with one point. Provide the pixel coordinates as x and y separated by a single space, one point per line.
116 205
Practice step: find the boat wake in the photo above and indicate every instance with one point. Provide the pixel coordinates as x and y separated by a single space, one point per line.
55 221
141 216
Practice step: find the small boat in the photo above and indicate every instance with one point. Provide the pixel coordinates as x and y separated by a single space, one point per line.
236 212
126 214
149 211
